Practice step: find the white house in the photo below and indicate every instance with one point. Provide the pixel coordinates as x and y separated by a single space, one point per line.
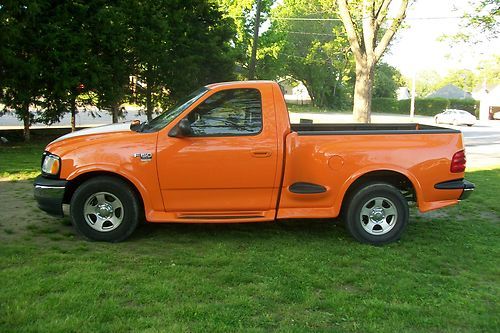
489 102
403 93
295 92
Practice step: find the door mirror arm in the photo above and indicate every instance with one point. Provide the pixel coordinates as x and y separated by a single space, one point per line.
182 129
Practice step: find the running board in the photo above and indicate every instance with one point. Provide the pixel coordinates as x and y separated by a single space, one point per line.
219 216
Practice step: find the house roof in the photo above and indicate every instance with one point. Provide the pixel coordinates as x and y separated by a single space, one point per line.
450 91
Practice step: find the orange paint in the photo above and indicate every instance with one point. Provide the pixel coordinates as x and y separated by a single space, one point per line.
247 178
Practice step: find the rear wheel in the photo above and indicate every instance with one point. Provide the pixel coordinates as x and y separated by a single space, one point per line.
105 209
377 214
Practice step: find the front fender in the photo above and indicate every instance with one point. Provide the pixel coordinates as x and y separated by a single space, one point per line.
122 173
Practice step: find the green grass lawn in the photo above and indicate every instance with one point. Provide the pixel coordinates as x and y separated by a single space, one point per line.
20 160
292 276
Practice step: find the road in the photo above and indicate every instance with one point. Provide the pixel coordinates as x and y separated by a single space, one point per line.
482 144
482 141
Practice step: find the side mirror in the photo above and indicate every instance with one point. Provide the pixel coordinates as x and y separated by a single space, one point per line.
183 128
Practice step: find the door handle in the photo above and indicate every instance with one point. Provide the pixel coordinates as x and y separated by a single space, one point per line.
261 153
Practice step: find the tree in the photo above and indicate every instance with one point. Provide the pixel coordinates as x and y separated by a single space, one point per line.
489 71
151 48
483 18
111 51
67 56
21 64
313 51
173 53
465 79
386 81
364 24
426 82
244 13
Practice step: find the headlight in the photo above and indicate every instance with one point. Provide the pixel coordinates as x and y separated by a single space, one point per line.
51 164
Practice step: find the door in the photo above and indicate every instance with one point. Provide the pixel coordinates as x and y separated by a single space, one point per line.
227 165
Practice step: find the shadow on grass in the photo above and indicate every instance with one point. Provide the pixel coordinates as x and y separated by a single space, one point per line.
296 228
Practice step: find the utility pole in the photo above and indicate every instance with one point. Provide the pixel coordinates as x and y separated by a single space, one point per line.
251 66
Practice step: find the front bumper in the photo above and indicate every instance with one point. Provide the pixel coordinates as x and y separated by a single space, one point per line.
49 194
461 184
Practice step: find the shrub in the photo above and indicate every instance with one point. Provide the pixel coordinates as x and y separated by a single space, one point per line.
470 105
384 105
433 106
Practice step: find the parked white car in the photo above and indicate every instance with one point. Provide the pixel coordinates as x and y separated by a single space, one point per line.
455 117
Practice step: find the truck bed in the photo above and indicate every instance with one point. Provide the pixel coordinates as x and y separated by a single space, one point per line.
371 129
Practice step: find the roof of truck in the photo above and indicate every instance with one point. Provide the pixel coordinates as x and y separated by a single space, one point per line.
238 83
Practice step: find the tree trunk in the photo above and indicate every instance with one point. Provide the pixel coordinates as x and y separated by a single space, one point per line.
149 102
26 123
114 113
253 56
363 93
73 113
149 92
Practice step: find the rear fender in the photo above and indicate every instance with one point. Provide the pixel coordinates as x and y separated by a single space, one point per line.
375 168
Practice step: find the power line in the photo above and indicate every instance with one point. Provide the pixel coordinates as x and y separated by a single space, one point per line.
308 33
337 19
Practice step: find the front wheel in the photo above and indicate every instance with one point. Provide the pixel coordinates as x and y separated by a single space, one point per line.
105 209
377 214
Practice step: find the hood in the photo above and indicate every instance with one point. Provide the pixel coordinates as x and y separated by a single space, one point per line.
121 127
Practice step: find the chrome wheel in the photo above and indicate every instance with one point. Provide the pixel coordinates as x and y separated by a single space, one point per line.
378 216
103 211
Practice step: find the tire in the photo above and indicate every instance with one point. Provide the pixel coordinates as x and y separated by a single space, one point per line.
105 209
377 214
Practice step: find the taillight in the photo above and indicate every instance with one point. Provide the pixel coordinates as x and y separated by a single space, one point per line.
458 162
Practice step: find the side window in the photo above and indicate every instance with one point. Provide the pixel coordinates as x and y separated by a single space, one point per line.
228 112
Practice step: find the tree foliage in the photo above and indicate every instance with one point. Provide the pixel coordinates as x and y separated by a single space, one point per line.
387 80
21 58
312 50
52 51
242 13
486 75
482 20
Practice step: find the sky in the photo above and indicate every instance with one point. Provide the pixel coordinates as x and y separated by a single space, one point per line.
416 48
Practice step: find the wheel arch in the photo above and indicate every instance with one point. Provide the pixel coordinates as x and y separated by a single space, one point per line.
74 183
404 183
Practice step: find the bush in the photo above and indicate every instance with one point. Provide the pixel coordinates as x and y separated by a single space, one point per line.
470 105
385 105
423 106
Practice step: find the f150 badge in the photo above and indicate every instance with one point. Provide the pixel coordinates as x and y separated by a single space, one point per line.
144 156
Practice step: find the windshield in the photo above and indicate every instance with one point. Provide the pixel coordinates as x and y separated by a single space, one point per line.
166 117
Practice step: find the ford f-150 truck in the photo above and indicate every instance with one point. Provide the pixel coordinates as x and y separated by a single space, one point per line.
227 153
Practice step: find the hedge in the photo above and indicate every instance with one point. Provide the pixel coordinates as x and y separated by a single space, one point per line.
423 106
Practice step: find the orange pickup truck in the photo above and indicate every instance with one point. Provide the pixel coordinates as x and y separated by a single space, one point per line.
227 153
